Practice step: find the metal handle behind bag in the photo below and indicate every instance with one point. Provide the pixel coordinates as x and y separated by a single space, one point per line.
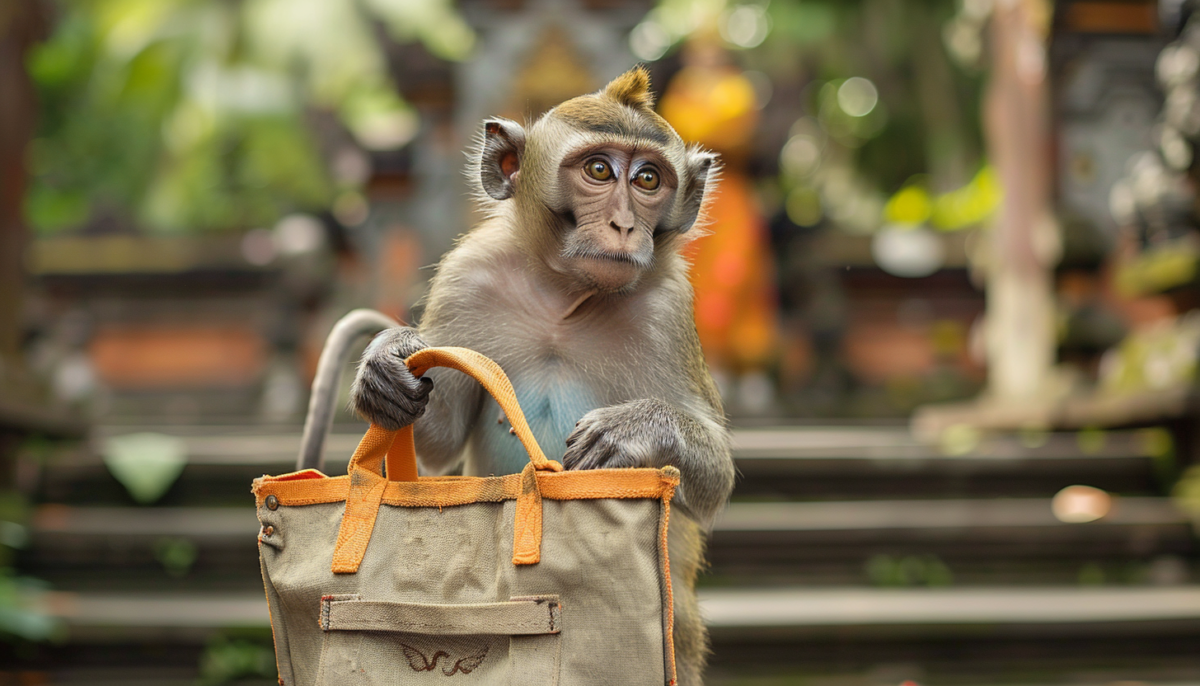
397 450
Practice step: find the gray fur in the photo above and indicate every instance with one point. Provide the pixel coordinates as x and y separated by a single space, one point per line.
703 169
384 391
653 433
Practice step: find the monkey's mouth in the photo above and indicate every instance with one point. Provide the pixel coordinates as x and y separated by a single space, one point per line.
579 252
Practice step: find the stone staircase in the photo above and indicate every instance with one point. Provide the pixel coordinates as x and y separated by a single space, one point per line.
850 555
858 556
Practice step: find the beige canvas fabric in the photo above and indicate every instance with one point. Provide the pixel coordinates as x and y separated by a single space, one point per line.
449 580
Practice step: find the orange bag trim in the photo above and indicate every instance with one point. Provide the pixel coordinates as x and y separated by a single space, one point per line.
449 491
527 527
671 474
362 506
402 457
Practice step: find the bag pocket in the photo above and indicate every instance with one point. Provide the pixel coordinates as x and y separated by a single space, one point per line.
380 643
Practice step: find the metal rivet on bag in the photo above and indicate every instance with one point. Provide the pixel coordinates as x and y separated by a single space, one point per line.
272 502
268 530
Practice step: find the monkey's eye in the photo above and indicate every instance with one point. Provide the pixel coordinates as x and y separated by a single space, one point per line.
598 169
646 178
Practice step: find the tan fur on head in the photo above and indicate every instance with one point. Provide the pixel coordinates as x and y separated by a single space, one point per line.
632 88
624 107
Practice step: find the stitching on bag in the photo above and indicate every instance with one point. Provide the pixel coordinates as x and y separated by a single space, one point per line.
465 665
554 605
327 602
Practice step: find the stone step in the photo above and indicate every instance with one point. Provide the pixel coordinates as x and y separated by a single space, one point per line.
53 521
782 462
278 444
938 542
936 518
957 636
725 610
1017 540
731 609
870 462
896 443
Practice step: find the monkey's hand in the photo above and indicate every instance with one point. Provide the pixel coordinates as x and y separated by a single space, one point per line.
653 433
385 393
634 434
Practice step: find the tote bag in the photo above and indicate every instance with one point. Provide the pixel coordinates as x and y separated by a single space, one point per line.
382 577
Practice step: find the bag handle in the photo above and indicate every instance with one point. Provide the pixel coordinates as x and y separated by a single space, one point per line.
397 450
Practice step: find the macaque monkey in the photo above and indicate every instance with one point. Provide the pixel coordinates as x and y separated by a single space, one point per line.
575 285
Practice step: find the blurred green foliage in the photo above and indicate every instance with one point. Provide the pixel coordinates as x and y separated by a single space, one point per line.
928 117
1186 494
907 571
238 655
176 555
21 616
199 115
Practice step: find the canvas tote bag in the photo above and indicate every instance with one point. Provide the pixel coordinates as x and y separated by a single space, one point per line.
544 577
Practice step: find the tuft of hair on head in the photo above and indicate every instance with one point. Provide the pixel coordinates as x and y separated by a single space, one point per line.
632 88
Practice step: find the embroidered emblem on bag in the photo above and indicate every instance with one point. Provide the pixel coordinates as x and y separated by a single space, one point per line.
466 665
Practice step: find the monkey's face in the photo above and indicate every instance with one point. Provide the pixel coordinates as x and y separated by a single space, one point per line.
616 197
597 182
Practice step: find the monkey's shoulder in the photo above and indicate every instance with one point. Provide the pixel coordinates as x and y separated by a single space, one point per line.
474 273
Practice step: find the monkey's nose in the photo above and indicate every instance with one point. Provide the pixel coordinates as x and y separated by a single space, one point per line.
621 229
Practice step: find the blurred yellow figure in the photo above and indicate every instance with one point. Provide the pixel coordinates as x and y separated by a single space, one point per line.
711 103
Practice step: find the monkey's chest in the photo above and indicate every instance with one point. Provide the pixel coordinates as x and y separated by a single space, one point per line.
552 406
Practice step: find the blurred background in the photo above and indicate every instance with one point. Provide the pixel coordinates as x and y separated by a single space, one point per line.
950 298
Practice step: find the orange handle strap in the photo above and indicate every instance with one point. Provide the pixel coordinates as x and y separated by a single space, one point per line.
367 482
494 381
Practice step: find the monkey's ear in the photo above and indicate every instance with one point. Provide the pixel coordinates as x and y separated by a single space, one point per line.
701 165
503 146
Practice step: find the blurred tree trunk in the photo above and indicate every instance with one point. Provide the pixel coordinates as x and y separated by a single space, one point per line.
21 24
1020 295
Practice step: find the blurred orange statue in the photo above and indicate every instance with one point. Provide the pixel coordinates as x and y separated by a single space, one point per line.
712 103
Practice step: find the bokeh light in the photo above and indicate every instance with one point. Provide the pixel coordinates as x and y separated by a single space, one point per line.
857 96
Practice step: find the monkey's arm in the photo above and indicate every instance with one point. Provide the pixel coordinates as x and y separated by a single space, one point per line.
655 433
442 433
387 394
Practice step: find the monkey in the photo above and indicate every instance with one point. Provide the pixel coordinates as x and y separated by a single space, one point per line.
574 283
